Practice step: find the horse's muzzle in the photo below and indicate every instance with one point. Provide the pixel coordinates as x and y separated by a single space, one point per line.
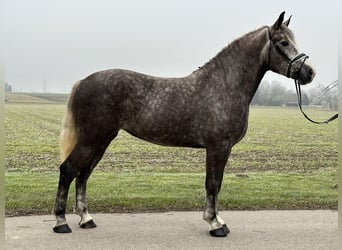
306 74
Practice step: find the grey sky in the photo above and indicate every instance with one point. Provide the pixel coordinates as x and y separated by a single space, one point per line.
60 42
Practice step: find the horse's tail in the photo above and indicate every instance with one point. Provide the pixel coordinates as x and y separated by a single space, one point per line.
68 137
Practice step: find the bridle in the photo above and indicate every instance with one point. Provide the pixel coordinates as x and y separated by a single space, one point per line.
291 62
295 74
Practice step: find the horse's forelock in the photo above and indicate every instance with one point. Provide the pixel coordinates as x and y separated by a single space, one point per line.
288 32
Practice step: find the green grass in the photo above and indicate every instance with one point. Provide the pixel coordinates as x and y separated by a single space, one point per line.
33 193
290 163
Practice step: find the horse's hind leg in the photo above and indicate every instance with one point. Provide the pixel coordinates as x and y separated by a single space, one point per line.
66 176
82 157
81 186
81 203
216 160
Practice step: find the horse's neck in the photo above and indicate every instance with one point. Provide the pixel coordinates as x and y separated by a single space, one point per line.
240 66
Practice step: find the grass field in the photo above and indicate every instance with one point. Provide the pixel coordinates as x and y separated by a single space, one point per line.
36 98
284 162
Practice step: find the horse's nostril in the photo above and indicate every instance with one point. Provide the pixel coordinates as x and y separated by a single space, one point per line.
312 73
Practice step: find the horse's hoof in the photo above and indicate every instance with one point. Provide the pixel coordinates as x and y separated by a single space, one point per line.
224 226
62 229
219 232
88 224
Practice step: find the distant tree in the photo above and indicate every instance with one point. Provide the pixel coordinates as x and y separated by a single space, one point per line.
291 96
276 94
305 99
325 97
262 95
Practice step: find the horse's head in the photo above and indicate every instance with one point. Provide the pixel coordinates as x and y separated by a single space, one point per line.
283 56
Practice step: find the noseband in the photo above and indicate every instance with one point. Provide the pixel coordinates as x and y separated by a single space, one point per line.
291 62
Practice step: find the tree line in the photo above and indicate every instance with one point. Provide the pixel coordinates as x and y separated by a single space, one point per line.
276 94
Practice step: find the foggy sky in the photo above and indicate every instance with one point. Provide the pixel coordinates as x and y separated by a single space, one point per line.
49 45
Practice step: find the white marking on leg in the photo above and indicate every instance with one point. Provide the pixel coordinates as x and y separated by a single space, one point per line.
210 215
214 224
81 209
220 220
85 217
79 203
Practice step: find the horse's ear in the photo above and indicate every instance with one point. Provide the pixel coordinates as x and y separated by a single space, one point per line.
279 22
287 22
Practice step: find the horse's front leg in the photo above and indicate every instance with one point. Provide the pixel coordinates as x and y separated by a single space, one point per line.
216 160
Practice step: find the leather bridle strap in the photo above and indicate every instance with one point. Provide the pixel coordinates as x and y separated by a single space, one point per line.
290 62
299 95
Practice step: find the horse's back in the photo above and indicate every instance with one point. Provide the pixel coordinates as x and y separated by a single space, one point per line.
168 111
156 109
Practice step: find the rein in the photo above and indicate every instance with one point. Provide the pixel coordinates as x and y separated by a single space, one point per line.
290 62
299 95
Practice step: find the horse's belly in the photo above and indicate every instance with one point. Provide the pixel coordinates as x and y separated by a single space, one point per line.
171 137
184 131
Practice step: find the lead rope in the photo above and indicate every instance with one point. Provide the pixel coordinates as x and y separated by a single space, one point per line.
299 95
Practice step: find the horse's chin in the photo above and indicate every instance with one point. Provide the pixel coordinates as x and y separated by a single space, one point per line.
306 78
303 82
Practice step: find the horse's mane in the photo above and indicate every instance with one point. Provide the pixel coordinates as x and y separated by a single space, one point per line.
227 50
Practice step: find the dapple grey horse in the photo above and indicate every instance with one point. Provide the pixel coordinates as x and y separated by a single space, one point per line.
206 109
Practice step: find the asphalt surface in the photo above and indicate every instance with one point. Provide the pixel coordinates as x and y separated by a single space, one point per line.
299 229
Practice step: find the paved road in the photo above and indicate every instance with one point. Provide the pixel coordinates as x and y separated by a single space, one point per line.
180 230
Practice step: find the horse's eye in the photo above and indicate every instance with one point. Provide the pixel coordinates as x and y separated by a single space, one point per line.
285 43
